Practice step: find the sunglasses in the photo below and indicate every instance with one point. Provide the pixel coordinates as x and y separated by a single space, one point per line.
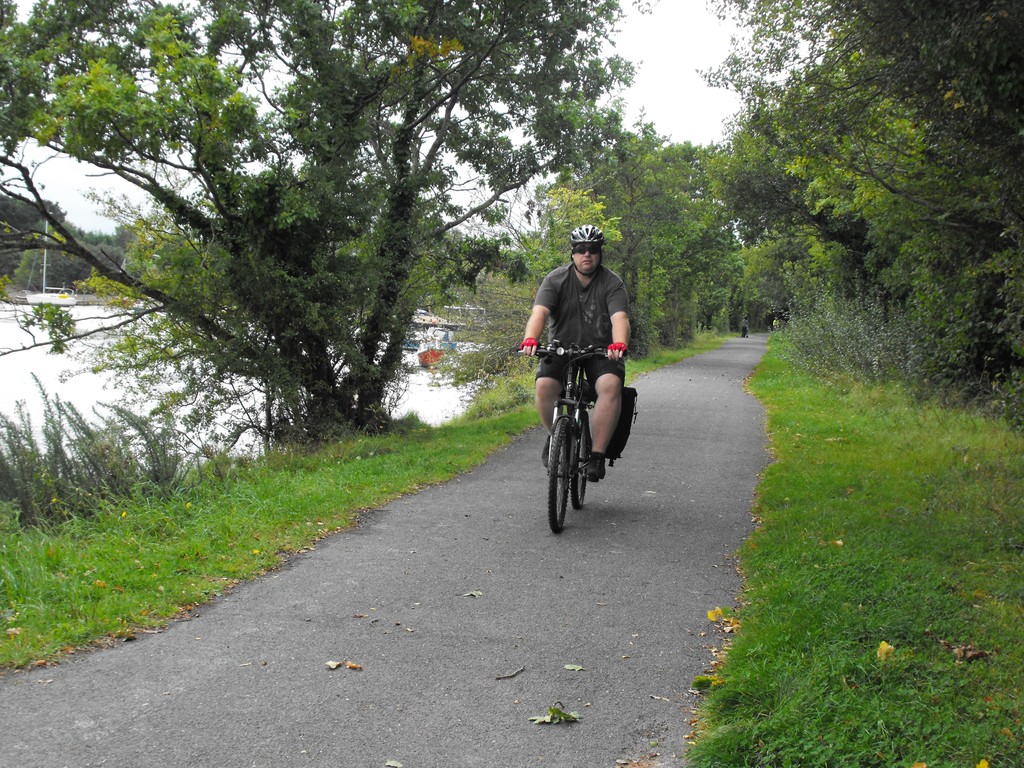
587 248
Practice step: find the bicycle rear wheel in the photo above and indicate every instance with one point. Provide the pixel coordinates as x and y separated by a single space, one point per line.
560 460
578 478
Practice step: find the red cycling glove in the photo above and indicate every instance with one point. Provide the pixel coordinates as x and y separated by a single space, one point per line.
528 343
618 346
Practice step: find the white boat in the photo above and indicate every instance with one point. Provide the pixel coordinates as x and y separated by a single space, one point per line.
60 296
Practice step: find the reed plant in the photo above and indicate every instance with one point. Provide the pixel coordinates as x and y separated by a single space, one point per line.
838 338
70 463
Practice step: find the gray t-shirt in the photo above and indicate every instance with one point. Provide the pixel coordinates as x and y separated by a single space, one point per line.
581 315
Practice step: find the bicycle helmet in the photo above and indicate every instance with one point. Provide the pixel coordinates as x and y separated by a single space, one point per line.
588 233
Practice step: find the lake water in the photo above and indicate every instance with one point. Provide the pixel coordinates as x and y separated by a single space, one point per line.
428 395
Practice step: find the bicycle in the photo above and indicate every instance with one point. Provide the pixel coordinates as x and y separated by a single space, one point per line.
570 446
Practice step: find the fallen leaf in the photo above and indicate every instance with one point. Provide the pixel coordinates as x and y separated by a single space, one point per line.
885 651
346 664
574 668
968 653
474 594
392 764
556 715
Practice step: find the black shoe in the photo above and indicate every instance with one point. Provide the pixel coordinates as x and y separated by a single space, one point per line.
595 467
544 454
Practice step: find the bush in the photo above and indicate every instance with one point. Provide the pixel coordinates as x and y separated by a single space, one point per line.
1010 394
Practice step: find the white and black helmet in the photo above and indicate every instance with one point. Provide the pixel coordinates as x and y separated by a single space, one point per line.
588 233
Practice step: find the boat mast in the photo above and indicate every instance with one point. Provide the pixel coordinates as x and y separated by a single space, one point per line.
46 232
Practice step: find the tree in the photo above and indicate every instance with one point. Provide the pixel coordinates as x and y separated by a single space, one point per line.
307 163
895 131
675 248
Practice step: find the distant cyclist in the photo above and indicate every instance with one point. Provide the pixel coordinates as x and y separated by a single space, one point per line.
585 304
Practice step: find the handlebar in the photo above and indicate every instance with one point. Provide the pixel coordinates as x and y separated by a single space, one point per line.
574 352
556 350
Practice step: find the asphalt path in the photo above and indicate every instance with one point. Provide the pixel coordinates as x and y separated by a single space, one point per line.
462 611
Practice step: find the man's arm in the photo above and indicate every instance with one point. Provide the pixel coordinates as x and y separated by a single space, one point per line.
620 334
535 326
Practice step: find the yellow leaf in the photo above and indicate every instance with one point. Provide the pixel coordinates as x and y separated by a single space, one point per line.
983 764
885 651
920 765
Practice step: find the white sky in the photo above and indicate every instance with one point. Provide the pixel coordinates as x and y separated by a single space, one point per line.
670 46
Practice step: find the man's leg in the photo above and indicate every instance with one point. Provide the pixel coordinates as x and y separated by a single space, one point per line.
606 411
547 392
602 425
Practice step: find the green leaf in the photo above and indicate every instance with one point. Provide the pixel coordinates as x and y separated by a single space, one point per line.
575 668
556 715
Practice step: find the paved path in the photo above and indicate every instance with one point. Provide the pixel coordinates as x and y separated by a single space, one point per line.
623 592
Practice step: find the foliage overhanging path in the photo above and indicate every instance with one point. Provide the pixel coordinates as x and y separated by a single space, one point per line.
453 616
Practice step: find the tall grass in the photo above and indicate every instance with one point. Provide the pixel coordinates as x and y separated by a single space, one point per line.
836 338
67 466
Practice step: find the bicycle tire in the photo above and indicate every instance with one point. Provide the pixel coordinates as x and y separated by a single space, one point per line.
578 480
559 469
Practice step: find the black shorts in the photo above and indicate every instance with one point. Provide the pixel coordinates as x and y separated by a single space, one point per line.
552 367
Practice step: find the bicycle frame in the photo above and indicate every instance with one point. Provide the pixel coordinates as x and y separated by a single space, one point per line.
575 387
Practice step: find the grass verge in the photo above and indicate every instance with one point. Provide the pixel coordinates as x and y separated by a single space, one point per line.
134 564
881 623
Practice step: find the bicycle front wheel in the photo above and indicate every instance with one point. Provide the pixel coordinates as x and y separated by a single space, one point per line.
578 478
560 461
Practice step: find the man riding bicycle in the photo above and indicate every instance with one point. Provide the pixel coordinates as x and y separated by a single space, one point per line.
585 304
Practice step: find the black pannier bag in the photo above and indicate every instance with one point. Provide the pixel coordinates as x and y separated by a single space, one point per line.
626 418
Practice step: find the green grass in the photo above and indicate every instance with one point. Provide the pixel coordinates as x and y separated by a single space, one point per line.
882 520
134 564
